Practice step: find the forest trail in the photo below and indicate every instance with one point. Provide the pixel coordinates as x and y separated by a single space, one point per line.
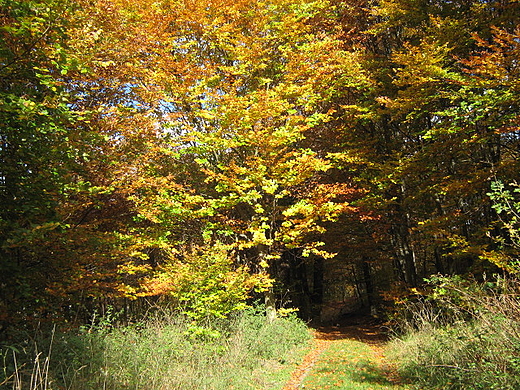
327 339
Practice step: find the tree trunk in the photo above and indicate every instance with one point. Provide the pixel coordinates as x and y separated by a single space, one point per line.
270 305
369 285
402 242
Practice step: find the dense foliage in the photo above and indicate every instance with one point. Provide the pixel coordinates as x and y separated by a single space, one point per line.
202 153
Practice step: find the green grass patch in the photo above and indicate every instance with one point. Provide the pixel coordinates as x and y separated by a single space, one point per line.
349 365
244 352
461 334
474 355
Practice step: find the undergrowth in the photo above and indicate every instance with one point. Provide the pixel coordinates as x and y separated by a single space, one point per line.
461 335
241 352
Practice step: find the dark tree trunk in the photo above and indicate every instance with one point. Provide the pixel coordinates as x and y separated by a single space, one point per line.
405 255
369 285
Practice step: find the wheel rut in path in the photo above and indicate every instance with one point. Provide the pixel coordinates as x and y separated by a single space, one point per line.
363 330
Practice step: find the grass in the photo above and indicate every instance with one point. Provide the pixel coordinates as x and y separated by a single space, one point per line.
473 355
463 336
349 365
244 352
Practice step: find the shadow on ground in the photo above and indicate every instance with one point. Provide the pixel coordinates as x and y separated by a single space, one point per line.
362 328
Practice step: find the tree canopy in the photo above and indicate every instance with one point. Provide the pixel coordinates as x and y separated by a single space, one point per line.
204 153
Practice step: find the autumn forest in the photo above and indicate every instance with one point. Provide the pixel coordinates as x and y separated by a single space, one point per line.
211 152
319 155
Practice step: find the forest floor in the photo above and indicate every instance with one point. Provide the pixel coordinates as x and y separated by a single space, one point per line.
350 356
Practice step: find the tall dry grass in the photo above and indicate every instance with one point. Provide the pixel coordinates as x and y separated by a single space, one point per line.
462 335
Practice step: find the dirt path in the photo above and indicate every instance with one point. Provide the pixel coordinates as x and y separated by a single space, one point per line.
362 330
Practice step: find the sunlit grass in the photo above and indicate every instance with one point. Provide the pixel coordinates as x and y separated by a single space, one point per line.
463 335
349 365
242 353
